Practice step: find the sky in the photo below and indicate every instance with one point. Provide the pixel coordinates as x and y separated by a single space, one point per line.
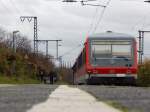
73 22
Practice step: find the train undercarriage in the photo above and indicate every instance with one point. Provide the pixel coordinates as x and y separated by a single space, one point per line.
108 80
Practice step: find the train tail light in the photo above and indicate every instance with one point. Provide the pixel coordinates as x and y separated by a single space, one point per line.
112 71
95 71
89 71
128 71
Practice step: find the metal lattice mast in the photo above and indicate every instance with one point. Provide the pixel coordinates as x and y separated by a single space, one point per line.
140 50
141 45
47 41
46 48
35 36
57 48
29 18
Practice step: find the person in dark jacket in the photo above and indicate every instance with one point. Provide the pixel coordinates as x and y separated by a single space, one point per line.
41 74
51 76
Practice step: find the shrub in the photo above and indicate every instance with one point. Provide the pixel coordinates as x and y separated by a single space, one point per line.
144 73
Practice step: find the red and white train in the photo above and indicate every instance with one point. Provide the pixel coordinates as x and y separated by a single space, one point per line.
107 58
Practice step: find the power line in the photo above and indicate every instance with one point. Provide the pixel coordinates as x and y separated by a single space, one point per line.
99 20
70 51
132 0
101 16
19 13
47 41
93 19
15 7
98 5
3 4
10 10
83 3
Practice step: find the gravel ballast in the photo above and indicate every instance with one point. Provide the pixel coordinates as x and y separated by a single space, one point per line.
22 98
135 99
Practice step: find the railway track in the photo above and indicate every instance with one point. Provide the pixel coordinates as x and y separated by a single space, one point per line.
129 98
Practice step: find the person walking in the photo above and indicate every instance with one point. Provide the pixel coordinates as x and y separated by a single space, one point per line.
51 76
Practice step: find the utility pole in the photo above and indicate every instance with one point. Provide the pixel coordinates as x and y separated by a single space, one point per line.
46 48
14 51
57 45
29 18
14 41
60 60
141 45
47 41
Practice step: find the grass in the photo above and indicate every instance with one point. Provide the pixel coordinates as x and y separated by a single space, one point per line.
61 83
117 106
22 76
144 74
13 80
121 107
112 104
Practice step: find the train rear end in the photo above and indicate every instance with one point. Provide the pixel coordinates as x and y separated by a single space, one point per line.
111 59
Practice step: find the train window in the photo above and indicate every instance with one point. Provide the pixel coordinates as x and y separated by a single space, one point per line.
109 42
111 48
101 51
124 50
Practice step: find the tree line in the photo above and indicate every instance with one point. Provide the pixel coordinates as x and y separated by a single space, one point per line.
27 63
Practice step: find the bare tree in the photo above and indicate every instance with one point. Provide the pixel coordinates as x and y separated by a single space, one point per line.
2 37
7 41
23 44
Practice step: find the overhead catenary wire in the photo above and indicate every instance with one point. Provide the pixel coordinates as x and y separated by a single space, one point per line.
15 7
99 20
101 16
137 23
19 13
4 6
142 20
132 0
9 10
71 50
93 19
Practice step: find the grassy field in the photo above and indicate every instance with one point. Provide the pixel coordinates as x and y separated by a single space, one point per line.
14 80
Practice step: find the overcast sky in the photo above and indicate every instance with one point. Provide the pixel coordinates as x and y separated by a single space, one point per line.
73 22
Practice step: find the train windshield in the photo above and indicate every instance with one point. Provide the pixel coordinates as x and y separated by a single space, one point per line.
109 49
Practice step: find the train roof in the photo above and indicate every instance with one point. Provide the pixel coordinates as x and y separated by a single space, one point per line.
111 35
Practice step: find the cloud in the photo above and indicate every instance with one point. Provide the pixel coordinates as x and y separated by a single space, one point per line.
71 22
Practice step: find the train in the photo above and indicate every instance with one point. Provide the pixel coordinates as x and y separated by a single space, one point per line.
107 58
